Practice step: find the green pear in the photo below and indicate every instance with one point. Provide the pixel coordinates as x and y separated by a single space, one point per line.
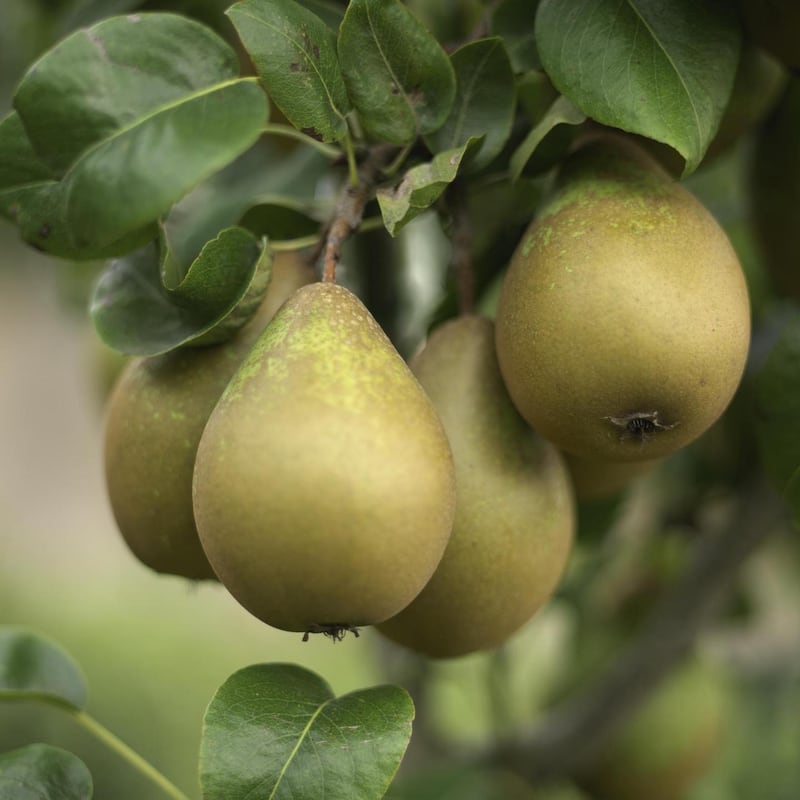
623 324
154 419
514 514
324 491
670 741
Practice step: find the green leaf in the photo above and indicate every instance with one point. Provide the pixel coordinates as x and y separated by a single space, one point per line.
35 668
281 218
398 77
484 102
294 53
778 413
42 772
662 70
276 730
562 112
143 305
19 164
129 115
421 187
513 21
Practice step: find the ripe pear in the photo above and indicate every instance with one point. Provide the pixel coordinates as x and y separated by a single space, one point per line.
154 419
669 742
624 322
324 491
514 522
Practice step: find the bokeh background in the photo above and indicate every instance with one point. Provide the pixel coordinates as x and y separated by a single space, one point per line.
154 649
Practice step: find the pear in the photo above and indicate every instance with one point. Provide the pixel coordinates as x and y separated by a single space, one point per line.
324 491
514 514
592 479
623 324
670 741
154 419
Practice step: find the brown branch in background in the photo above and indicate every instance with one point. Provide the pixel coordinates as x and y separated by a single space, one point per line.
570 735
350 209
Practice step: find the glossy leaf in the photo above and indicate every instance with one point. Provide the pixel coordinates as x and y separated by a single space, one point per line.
42 772
101 80
421 187
484 102
277 731
778 414
143 306
128 115
513 21
562 112
281 218
398 77
34 668
294 53
662 70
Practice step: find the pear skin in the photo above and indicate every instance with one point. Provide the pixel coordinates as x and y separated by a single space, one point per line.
324 491
514 521
154 419
623 324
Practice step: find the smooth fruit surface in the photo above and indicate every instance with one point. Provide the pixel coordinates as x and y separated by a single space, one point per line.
324 490
154 420
624 323
669 742
514 513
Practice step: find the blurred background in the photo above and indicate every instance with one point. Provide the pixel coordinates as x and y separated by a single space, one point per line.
154 648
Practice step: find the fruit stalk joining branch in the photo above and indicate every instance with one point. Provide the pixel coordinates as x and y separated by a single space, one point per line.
350 208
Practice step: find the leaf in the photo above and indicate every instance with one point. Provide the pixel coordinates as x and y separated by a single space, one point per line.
130 115
662 70
398 77
484 102
294 53
562 112
276 730
281 218
42 772
513 21
143 306
35 668
778 413
421 187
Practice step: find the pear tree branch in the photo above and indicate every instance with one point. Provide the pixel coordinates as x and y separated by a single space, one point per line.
350 206
571 734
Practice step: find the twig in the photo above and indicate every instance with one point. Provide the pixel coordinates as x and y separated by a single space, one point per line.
570 735
350 208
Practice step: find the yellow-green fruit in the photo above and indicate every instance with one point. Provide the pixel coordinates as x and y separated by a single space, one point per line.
324 491
624 323
670 742
155 416
514 514
775 25
593 479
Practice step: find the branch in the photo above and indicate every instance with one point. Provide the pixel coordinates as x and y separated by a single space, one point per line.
571 734
350 208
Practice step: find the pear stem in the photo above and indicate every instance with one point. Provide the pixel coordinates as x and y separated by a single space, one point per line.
350 208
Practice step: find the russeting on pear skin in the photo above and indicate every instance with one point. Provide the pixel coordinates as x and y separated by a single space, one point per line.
623 324
324 489
514 514
154 419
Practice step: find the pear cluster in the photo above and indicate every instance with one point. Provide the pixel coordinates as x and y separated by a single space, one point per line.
329 485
